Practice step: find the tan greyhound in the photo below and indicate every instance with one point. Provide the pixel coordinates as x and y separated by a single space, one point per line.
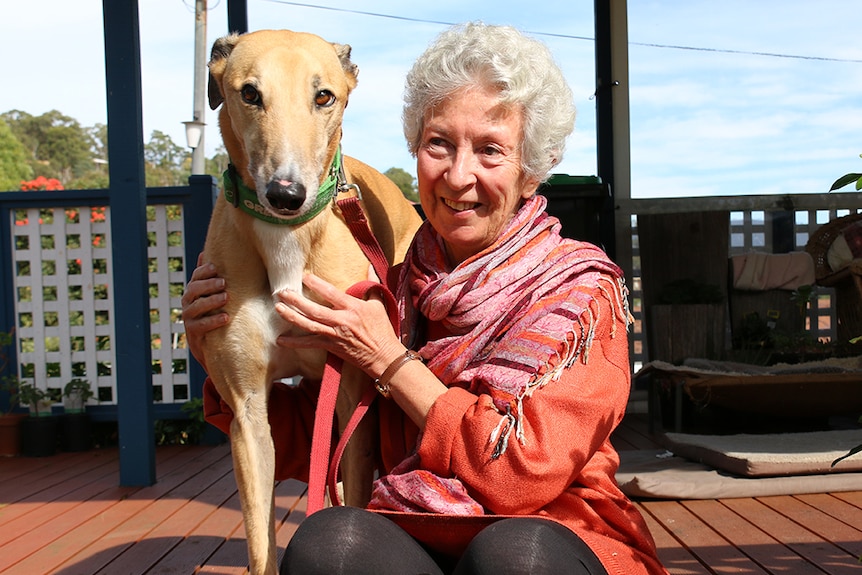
282 97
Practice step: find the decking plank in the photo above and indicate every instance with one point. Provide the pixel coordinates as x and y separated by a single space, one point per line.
817 550
765 550
673 555
815 520
190 521
701 539
100 517
45 474
164 538
196 549
24 517
835 507
196 476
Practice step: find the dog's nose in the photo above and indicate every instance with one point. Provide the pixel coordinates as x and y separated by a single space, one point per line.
285 196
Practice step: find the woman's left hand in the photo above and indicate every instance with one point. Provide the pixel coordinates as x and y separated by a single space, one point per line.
356 330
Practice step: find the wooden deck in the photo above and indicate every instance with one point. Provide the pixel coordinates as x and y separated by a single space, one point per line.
67 515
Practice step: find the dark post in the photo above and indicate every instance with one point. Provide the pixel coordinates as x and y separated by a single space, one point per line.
605 119
128 200
196 221
237 16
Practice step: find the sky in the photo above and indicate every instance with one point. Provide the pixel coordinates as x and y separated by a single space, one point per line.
727 97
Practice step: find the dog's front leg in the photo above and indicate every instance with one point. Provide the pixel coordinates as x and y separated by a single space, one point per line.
360 457
254 468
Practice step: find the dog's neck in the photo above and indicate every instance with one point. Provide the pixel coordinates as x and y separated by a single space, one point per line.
245 198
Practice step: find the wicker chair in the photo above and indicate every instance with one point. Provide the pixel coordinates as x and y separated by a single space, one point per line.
847 281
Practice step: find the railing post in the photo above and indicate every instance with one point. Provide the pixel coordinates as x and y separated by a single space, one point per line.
129 243
196 216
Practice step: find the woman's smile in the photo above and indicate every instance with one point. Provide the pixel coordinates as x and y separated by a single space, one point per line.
461 206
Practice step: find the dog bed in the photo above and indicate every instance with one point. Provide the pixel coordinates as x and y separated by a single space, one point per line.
659 474
771 454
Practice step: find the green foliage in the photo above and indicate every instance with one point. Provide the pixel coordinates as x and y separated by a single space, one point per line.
14 167
182 431
167 164
29 394
79 386
847 179
8 381
405 182
802 297
56 146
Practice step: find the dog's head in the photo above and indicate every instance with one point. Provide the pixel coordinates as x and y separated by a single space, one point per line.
283 96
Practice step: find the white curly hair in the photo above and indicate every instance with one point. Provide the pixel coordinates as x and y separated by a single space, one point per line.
522 68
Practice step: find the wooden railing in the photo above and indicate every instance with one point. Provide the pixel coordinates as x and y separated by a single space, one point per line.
771 224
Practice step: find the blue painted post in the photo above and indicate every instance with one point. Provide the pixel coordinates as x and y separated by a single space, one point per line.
237 16
196 217
128 203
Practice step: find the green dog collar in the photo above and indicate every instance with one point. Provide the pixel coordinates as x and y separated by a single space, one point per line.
245 198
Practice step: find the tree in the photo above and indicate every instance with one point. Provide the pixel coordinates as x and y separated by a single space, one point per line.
58 146
217 165
166 162
405 182
14 167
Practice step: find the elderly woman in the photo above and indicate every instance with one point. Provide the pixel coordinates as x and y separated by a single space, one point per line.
521 333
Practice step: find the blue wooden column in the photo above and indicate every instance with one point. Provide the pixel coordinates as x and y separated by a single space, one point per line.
128 203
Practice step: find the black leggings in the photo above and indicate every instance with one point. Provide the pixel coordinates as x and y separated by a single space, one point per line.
355 541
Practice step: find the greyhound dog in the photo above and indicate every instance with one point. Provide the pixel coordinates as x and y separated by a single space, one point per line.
282 96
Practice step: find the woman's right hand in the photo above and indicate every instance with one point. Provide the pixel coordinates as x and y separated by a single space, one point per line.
204 295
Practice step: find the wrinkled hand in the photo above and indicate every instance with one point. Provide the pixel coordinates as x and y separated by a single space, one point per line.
354 329
204 295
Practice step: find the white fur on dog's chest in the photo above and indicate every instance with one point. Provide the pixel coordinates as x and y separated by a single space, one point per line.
284 258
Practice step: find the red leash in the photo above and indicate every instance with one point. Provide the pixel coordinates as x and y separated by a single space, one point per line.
322 472
358 224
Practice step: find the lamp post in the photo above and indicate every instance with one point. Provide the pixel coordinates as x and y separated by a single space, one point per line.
195 128
194 134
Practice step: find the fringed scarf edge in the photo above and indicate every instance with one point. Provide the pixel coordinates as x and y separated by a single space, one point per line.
583 332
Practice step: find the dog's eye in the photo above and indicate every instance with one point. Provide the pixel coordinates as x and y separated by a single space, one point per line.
250 95
324 99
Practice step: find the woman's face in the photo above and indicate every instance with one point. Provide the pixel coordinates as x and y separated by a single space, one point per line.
469 169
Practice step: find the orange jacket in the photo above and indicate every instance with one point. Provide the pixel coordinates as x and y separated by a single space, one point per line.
564 469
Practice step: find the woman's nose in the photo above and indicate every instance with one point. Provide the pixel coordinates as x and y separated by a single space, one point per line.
462 171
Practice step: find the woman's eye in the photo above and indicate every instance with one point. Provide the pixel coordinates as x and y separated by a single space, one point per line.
250 95
324 99
491 151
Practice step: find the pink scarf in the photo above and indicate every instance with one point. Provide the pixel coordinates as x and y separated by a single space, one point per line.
515 310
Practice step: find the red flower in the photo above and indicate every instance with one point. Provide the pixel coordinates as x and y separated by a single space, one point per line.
41 183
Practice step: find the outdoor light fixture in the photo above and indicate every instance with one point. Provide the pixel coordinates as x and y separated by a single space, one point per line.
194 130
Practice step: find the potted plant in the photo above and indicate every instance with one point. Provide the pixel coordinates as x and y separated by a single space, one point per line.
39 431
36 399
75 395
844 180
10 421
76 422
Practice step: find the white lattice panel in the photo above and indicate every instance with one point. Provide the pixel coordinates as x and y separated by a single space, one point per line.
64 300
167 280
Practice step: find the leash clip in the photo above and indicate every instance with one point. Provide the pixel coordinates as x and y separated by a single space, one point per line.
344 188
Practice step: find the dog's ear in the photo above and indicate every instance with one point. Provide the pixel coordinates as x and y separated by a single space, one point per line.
351 69
218 60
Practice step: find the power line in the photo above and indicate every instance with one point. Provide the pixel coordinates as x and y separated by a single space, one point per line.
573 37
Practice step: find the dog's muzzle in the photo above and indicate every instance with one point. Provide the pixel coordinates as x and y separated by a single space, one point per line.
288 197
